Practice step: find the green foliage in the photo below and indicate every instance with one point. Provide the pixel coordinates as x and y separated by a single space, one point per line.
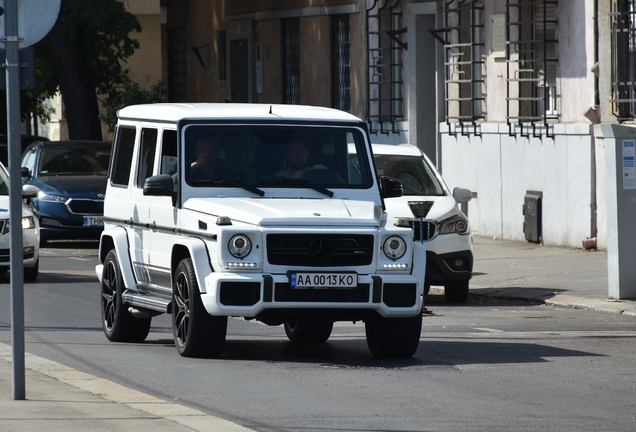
129 93
105 28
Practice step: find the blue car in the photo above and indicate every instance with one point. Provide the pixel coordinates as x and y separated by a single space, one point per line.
71 176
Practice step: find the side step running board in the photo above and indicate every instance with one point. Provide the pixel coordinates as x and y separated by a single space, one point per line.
143 301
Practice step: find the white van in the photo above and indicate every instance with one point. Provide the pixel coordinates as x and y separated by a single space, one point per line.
266 212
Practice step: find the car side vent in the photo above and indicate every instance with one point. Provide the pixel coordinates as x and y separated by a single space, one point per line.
203 225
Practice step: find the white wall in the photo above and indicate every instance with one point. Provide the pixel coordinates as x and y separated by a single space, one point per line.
501 168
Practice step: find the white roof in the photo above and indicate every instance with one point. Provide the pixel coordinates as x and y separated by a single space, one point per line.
172 112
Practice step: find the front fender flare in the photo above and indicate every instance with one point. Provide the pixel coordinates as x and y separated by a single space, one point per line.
198 252
117 238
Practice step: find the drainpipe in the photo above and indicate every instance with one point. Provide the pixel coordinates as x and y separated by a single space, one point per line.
597 102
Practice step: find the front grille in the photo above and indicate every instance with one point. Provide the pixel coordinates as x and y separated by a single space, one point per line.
320 250
85 206
428 229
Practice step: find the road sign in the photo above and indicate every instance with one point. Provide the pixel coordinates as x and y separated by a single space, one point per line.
35 19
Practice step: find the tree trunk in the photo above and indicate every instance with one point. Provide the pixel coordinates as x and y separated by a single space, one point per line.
76 85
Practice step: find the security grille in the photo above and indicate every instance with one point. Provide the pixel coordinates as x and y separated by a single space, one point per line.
623 30
291 57
531 61
341 50
463 40
177 65
385 65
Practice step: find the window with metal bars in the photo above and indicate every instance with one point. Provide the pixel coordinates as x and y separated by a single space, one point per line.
531 65
177 65
623 31
385 65
463 40
291 60
341 62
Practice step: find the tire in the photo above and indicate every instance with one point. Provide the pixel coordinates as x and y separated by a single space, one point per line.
196 333
118 324
393 337
456 293
308 331
31 273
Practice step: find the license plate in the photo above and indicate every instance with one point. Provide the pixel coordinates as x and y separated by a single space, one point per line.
93 221
323 280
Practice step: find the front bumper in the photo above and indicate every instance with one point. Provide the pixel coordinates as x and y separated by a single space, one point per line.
445 269
261 295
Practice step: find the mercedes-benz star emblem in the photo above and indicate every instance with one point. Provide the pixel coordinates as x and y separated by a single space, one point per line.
320 250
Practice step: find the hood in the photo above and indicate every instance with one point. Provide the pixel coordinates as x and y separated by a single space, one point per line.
442 206
4 208
290 212
72 186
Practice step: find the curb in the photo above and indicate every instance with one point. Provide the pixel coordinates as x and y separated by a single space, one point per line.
108 390
618 307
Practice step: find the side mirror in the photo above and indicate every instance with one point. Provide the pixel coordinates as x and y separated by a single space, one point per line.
24 172
30 191
391 187
462 195
159 185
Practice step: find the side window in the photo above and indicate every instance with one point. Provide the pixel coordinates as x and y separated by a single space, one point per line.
122 160
169 152
147 155
28 161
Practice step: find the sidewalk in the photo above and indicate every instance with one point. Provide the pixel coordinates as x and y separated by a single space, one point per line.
564 277
59 398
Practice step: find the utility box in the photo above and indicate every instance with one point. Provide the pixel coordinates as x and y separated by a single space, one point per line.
532 216
620 154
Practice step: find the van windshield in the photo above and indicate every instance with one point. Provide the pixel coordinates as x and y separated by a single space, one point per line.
281 156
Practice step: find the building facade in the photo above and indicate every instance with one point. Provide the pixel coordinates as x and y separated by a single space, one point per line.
505 95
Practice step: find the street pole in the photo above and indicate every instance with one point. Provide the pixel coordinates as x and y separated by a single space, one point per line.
11 42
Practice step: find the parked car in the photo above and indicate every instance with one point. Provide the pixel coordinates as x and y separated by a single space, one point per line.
25 141
440 224
30 230
71 176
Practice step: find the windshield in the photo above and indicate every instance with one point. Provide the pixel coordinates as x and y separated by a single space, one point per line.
283 156
90 160
416 175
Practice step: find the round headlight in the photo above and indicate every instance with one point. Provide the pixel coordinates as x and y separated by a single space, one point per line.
394 247
461 227
239 246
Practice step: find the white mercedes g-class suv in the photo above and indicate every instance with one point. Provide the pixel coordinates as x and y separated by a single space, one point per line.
266 212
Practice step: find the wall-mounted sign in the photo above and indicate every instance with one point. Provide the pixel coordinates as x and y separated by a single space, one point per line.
629 177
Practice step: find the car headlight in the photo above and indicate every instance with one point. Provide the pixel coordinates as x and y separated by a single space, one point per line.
394 247
44 197
239 246
454 225
27 223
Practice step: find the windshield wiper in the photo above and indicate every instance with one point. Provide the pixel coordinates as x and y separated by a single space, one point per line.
304 183
237 183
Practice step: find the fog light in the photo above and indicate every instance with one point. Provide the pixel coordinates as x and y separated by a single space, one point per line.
458 263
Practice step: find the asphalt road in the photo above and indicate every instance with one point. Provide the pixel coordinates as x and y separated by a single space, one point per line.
488 365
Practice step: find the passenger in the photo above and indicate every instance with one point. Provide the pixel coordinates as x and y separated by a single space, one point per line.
206 166
296 160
